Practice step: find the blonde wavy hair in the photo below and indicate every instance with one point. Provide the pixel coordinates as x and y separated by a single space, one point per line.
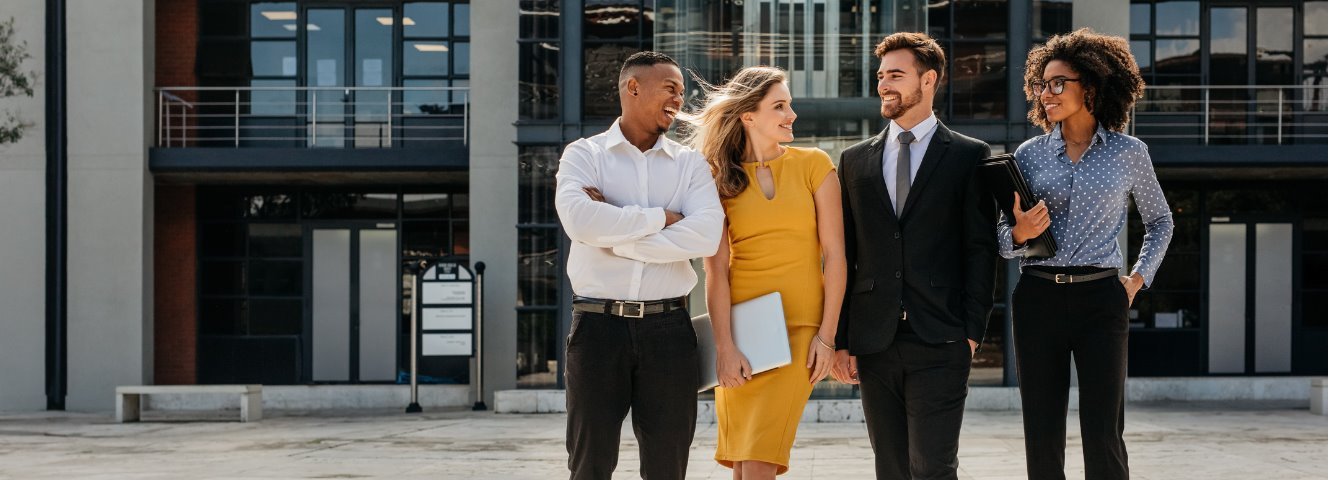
717 131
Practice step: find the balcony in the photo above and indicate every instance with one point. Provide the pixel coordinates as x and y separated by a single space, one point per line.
311 128
1219 125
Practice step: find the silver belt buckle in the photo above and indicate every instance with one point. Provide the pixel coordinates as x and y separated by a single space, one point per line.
641 309
1058 278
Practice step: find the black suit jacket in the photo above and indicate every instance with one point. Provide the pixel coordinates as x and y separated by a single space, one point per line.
938 260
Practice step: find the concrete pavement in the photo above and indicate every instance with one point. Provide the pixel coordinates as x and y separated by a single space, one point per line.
1207 441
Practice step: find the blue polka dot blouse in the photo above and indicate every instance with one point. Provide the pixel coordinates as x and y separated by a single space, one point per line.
1087 201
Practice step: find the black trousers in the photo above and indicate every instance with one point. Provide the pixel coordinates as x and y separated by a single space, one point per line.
1052 323
914 398
647 365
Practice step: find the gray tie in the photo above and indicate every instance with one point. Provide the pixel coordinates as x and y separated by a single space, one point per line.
903 172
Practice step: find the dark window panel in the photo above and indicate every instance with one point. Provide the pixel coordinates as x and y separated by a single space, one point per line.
425 205
538 19
351 205
1314 73
939 20
981 19
1228 46
1274 46
536 168
1314 309
427 19
538 268
538 80
222 239
276 316
221 277
1175 57
273 19
1252 200
461 238
1313 234
425 239
979 81
852 60
276 277
1178 18
601 77
222 19
223 57
537 349
1140 49
1179 271
1052 17
222 316
276 240
611 19
425 102
1153 306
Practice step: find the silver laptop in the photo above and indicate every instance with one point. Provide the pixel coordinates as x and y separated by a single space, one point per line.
758 327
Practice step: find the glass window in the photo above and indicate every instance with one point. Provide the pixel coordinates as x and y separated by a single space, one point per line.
612 19
1228 46
462 19
979 81
425 239
1140 19
425 58
1140 49
274 316
601 78
1314 72
538 80
1178 18
272 58
980 19
1052 17
222 316
278 102
272 20
536 166
538 267
1274 46
350 205
539 19
461 58
1313 18
1178 56
424 102
275 240
425 19
223 19
427 205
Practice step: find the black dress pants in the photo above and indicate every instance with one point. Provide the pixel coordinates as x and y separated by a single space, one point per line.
914 399
1052 323
647 365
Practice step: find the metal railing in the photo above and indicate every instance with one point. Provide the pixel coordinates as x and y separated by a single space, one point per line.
1231 115
331 117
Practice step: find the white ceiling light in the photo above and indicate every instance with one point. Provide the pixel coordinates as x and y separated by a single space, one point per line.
389 21
291 27
279 15
431 47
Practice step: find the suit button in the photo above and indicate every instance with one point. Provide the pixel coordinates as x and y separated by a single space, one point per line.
898 274
898 235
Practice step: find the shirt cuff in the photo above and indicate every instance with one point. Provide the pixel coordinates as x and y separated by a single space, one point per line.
655 219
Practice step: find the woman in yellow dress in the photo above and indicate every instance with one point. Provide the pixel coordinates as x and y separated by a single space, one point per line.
783 233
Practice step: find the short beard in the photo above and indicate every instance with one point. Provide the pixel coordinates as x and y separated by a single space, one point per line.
907 102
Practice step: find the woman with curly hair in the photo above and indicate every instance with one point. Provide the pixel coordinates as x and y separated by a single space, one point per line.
1085 172
783 233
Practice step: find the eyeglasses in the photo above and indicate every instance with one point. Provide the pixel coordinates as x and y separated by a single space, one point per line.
1057 85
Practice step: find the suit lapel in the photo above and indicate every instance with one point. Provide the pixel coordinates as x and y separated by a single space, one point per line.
937 147
874 160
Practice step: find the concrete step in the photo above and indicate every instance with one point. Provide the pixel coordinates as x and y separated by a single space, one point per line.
322 397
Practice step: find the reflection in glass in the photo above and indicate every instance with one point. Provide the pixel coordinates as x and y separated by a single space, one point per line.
1313 18
536 166
1274 46
1314 73
538 80
272 102
425 58
425 239
425 19
424 102
275 240
461 58
1177 56
538 268
272 58
537 354
979 83
1052 17
325 54
538 19
350 205
612 19
981 19
461 19
1178 18
1140 49
601 78
425 205
373 68
1140 19
1228 46
272 19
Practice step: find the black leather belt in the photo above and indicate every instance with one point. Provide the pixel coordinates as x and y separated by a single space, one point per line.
628 308
1071 277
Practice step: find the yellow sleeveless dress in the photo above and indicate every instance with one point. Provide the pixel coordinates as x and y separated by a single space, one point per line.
774 247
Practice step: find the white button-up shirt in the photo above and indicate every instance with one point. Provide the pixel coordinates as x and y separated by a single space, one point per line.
923 133
621 249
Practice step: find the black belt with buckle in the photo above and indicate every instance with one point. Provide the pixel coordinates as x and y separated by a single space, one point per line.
1070 277
628 308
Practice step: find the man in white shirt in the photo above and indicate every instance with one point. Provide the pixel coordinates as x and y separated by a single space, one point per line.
638 206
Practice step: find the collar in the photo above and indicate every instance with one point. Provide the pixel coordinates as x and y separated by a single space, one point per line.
1100 135
923 128
615 137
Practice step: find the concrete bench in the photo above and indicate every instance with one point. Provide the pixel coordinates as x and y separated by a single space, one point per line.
1318 396
128 407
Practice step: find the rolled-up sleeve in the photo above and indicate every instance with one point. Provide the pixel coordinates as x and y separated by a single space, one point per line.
587 221
1006 246
1155 214
697 235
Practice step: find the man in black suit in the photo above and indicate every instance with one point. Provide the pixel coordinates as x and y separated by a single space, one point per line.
920 244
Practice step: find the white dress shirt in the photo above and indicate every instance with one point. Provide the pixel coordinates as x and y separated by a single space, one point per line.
621 248
923 133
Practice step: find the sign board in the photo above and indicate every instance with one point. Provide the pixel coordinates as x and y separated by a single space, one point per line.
447 310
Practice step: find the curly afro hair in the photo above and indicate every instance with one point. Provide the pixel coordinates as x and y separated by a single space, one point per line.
1108 72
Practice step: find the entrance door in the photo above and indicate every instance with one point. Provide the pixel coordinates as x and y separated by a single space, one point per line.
1251 287
353 309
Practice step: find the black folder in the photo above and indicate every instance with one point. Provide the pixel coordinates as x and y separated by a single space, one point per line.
1002 178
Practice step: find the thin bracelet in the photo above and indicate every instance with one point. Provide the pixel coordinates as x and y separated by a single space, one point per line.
819 340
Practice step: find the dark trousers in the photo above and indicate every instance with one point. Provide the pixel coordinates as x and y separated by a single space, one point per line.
648 365
914 398
1052 323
